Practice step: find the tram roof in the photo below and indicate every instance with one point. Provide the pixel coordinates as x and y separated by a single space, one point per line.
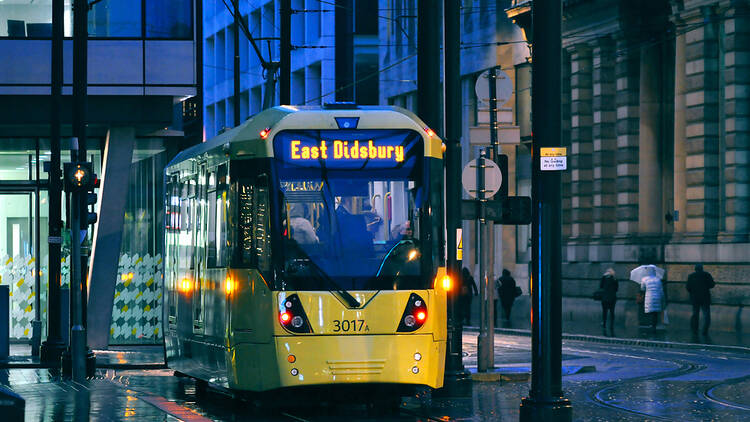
245 140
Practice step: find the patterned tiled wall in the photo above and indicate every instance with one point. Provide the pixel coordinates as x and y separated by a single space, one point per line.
137 310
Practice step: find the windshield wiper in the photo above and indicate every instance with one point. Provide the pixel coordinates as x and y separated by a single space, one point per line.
350 300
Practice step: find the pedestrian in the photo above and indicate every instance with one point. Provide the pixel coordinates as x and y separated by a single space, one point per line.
653 300
468 291
608 287
507 292
699 285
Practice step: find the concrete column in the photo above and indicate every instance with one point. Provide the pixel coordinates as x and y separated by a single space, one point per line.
702 126
604 140
737 123
680 180
105 253
581 146
649 169
627 68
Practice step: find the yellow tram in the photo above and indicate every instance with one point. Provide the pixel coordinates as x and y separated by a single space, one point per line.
304 248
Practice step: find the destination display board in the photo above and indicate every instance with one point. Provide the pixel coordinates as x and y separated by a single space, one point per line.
349 149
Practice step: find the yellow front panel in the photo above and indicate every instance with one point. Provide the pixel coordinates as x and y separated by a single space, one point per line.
323 360
373 352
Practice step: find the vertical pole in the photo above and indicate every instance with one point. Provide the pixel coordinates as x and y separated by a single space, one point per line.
80 78
37 323
428 64
494 249
236 41
77 332
285 61
485 345
53 347
545 401
452 121
344 35
79 254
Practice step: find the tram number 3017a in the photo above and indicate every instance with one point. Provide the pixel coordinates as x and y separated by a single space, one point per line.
348 325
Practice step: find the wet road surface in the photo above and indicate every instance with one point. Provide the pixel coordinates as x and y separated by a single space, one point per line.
630 383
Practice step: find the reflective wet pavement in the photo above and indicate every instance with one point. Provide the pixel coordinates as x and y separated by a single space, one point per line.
629 383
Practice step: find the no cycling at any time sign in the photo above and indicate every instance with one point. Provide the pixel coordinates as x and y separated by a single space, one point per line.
553 159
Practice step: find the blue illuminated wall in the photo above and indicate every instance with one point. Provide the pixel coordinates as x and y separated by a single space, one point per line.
312 73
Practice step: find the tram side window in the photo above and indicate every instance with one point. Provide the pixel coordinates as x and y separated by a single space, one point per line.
211 232
185 241
254 222
217 202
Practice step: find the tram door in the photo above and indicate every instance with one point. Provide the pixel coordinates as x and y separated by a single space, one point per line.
200 251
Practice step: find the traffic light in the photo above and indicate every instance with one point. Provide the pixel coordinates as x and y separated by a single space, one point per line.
516 210
78 176
91 217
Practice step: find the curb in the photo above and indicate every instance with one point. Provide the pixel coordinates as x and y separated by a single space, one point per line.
627 341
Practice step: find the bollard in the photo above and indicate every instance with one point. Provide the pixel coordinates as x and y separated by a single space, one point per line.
12 406
4 322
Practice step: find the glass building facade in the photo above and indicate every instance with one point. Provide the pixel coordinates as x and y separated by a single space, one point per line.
152 19
24 219
136 313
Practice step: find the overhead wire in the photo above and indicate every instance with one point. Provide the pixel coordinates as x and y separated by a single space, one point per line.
362 79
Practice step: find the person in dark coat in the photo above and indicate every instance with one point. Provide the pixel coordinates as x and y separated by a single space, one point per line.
699 285
608 285
506 289
468 291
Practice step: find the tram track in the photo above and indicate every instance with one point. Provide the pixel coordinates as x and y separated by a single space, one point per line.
684 367
708 394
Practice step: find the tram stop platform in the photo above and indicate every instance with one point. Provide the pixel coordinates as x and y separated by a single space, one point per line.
604 381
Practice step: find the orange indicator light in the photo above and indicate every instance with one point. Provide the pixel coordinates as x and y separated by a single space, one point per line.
185 285
228 285
291 359
446 282
264 133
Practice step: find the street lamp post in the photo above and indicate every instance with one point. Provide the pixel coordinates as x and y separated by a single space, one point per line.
545 401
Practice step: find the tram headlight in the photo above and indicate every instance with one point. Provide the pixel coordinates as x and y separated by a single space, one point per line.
409 320
414 316
297 321
292 316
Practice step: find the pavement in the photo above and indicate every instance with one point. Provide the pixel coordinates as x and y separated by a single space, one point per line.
623 329
604 381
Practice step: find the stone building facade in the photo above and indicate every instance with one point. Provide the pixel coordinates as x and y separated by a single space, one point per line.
657 119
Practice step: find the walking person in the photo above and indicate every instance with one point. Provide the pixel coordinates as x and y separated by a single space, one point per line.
699 285
507 292
608 286
654 298
468 291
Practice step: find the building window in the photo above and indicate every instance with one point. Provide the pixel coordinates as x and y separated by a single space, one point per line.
115 18
366 17
164 19
30 19
172 19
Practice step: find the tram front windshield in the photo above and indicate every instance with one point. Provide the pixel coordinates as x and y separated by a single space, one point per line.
350 217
